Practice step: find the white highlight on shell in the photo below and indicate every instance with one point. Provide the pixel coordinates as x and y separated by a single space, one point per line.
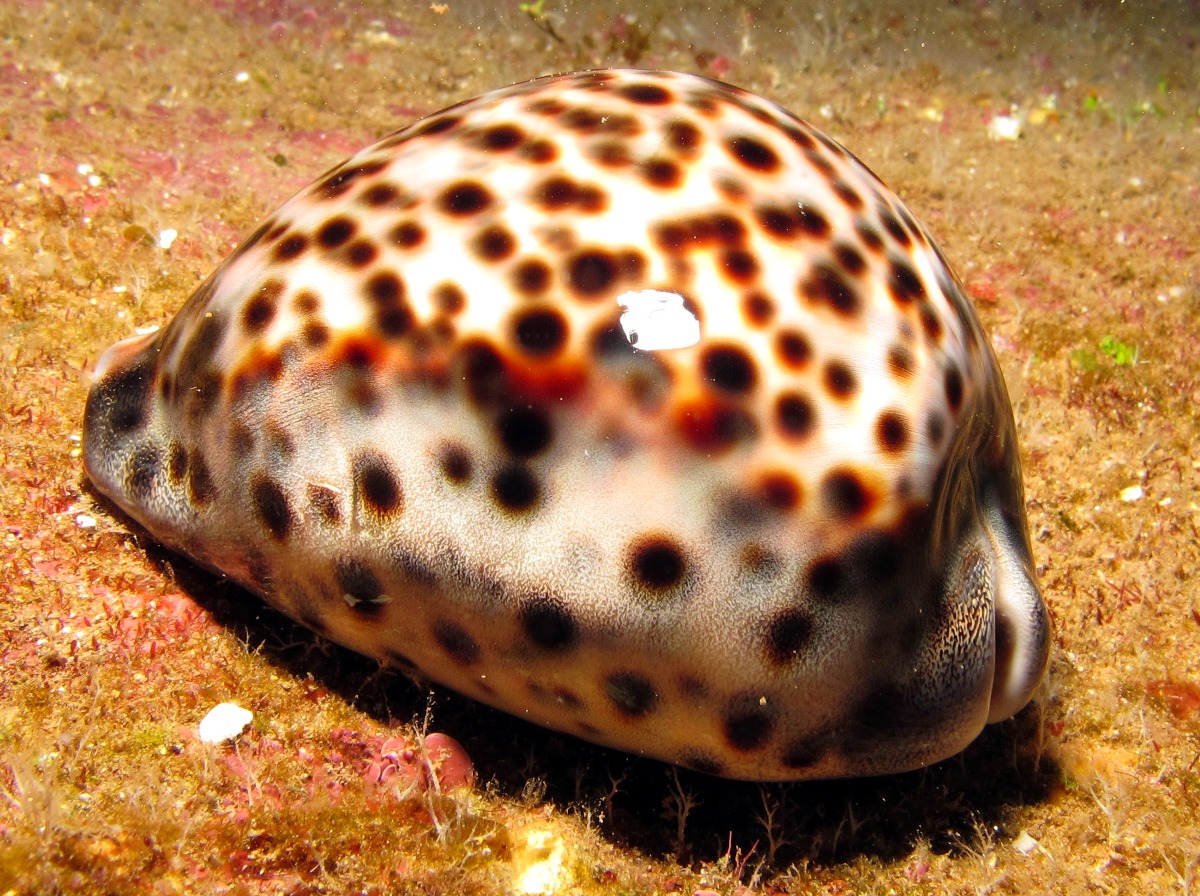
225 721
657 320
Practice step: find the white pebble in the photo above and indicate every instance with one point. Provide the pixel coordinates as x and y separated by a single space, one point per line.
1004 127
225 721
1024 844
1131 494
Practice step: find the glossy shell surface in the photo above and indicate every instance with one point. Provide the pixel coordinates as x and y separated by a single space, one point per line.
624 401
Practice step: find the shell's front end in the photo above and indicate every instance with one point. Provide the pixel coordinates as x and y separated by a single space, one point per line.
624 401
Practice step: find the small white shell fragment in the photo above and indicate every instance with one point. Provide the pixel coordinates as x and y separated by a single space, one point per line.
225 721
657 320
1025 844
1004 127
85 521
166 238
1131 494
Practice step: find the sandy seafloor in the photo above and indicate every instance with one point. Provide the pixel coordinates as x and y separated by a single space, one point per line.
1079 240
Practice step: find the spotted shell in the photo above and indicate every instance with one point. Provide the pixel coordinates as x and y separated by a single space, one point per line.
624 401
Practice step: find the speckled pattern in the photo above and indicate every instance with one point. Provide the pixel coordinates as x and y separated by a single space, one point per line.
407 411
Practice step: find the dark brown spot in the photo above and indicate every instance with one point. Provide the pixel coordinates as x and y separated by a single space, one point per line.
671 237
376 485
714 426
540 152
645 94
455 463
779 491
805 753
515 489
342 179
840 380
869 235
954 387
306 302
525 431
785 222
548 623
657 562
291 248
793 349
729 368
494 244
546 106
120 403
580 118
826 285
663 174
591 274
825 576
361 253
738 266
271 506
850 259
936 428
931 323
482 372
787 635
795 415
531 276
457 642
903 283
379 195
385 288
633 695
465 198
177 462
758 309
900 361
315 334
847 194
336 232
799 136
540 332
201 488
683 136
748 722
326 501
555 193
891 431
501 137
752 153
260 310
846 495
610 154
407 235
895 228
449 298
141 473
394 320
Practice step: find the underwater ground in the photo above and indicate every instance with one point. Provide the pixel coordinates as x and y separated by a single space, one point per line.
1054 151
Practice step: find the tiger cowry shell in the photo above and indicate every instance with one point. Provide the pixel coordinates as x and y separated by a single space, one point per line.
624 401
